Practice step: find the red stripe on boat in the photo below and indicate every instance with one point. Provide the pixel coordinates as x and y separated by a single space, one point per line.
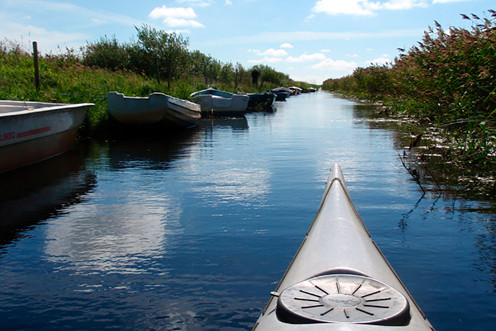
33 132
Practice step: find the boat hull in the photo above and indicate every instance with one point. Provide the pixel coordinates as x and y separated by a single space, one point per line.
183 113
31 131
281 93
156 109
219 103
261 101
339 252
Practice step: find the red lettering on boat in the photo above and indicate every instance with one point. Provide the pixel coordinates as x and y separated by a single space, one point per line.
33 132
7 136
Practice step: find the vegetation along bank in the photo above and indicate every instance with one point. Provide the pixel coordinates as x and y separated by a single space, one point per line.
448 84
157 62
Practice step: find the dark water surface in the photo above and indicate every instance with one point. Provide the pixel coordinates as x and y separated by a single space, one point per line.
193 233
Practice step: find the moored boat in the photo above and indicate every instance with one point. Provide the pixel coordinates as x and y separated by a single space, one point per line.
34 131
156 109
261 101
220 103
281 93
339 279
295 90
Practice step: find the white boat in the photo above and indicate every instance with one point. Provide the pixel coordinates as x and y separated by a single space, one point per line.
339 279
34 131
281 93
295 90
219 103
157 108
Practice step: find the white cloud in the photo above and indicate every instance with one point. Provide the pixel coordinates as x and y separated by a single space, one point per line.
164 11
307 57
309 78
330 64
270 55
364 7
404 4
176 17
336 7
325 50
266 59
379 61
228 2
177 22
271 52
286 45
48 41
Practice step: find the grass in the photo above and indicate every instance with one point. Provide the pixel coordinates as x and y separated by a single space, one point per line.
65 79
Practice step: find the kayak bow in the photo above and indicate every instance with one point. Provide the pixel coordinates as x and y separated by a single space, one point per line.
339 279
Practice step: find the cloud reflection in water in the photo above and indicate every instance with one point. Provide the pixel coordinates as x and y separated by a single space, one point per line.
113 238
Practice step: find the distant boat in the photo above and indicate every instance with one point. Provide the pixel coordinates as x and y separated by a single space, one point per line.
34 131
220 103
261 101
295 90
157 108
339 279
309 90
281 93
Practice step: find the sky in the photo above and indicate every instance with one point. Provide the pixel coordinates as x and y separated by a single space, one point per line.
310 40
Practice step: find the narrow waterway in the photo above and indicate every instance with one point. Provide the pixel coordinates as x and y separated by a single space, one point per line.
194 232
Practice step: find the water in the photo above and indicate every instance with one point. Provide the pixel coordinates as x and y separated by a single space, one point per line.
193 233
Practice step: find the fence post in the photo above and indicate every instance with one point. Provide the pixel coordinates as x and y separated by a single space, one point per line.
36 66
170 75
158 70
205 73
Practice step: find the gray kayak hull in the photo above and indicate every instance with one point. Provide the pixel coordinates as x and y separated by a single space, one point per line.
330 282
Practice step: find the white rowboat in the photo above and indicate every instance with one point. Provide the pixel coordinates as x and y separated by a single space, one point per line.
339 279
34 131
219 103
157 108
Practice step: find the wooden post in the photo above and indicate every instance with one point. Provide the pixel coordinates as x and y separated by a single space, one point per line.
36 66
236 80
158 70
205 73
170 75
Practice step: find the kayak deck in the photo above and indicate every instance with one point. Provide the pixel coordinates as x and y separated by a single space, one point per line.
339 279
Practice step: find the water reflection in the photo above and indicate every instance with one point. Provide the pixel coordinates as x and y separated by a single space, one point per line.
193 232
244 186
150 151
235 123
113 237
126 225
34 193
225 176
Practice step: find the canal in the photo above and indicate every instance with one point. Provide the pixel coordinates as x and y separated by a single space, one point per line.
194 232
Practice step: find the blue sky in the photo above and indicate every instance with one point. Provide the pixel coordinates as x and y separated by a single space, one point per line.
308 40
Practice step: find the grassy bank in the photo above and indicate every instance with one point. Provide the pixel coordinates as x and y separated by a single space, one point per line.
447 83
130 68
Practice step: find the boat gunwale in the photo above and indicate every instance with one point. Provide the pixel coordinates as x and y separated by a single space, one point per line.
50 108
